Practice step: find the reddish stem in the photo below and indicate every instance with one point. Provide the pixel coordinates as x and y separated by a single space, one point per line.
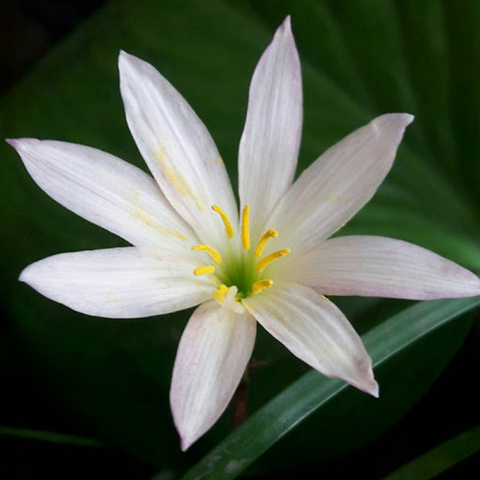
240 397
240 401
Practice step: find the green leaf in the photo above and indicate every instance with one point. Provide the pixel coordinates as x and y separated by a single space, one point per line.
52 437
441 458
312 391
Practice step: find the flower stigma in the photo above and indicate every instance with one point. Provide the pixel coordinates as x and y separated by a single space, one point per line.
239 277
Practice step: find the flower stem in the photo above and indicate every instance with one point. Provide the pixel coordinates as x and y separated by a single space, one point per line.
240 399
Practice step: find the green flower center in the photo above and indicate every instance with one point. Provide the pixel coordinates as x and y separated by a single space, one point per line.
244 273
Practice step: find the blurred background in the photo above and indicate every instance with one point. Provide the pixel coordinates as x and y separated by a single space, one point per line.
105 384
30 28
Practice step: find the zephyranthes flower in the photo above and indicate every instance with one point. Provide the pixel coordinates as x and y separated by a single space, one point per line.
270 262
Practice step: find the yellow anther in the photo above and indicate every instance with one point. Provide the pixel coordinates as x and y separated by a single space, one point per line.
270 258
217 258
246 227
261 285
220 293
226 220
263 241
204 270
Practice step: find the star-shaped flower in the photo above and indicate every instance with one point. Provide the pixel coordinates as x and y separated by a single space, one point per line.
271 263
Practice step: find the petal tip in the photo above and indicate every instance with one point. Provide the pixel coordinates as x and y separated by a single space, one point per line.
286 25
25 275
284 33
390 127
371 387
401 120
123 57
466 282
20 144
374 390
185 444
187 436
406 118
472 285
21 277
126 60
13 142
367 383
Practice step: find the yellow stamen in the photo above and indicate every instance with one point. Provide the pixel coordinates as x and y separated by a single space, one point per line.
204 270
217 258
261 285
220 293
246 227
226 221
270 258
263 241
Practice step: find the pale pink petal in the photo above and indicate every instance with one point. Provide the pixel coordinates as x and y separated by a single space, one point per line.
212 356
338 184
119 282
177 148
314 330
381 267
104 190
271 138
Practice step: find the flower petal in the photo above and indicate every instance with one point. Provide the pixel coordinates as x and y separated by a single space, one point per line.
104 190
119 282
212 356
314 330
338 184
381 267
271 137
177 148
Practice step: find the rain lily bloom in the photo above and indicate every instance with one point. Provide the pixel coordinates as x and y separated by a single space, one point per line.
271 261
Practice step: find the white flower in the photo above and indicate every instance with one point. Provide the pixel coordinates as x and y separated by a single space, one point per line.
272 263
